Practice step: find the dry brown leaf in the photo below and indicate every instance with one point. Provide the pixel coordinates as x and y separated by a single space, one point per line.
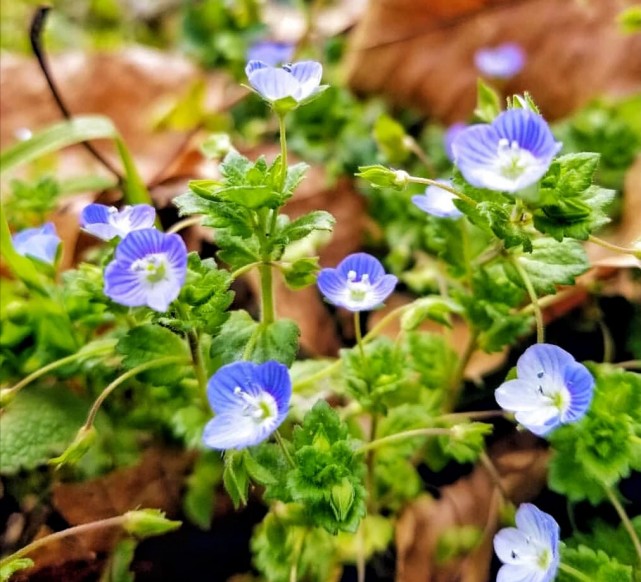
420 52
522 467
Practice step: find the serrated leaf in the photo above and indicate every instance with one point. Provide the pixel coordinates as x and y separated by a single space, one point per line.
488 103
301 273
552 263
595 565
237 251
235 477
38 425
151 342
435 308
305 225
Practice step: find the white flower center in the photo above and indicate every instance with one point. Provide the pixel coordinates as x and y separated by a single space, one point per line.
358 288
553 394
120 220
261 408
512 161
533 553
152 268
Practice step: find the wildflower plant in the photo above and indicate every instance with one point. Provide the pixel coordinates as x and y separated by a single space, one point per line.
482 245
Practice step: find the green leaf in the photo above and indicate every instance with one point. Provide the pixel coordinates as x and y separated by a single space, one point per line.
595 565
301 273
435 308
151 342
629 19
466 441
237 251
118 566
57 136
553 263
457 541
37 425
304 226
488 103
198 501
276 341
391 140
236 477
295 175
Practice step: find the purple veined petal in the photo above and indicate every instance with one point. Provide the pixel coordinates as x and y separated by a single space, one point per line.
94 219
272 53
232 431
309 75
139 243
542 361
438 202
529 130
274 378
383 288
541 421
580 384
361 264
274 84
139 216
331 284
222 385
253 66
537 524
160 295
504 543
521 573
501 62
123 286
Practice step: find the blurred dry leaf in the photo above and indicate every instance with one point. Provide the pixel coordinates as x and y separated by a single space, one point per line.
522 467
420 52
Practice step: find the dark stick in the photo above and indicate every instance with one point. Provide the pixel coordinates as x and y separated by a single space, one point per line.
35 36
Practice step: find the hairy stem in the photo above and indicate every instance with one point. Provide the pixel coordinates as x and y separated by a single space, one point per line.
359 334
91 417
59 535
625 520
281 444
429 182
267 311
185 223
538 313
612 247
457 380
375 444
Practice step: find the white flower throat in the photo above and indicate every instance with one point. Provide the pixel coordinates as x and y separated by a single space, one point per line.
554 395
120 220
153 268
358 290
512 160
260 408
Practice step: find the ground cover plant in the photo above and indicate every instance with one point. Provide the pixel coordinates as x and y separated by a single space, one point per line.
143 352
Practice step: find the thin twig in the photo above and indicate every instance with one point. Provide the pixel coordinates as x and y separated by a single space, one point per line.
35 37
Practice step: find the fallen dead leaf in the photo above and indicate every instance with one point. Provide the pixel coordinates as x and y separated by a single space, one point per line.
522 468
420 53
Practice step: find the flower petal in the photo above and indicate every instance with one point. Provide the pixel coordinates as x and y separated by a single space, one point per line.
529 130
232 431
520 573
140 216
361 264
332 285
508 542
548 359
221 386
270 52
517 395
274 84
40 243
274 378
537 524
501 62
580 384
254 65
123 286
309 75
438 202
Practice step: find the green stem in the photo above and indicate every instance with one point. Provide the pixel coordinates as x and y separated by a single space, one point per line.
428 182
283 152
625 520
375 444
608 342
72 531
612 247
196 354
359 334
629 364
101 349
242 270
267 314
281 444
91 417
574 572
457 380
185 223
538 313
465 236
370 463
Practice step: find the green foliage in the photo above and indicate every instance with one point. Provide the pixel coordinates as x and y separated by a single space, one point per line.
552 263
146 523
206 290
301 273
275 341
457 541
118 566
10 568
328 478
303 226
149 342
435 308
488 102
596 565
391 139
38 424
568 204
381 177
240 468
466 441
603 447
198 502
432 359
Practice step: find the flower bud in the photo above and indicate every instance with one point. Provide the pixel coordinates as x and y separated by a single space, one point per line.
342 499
144 523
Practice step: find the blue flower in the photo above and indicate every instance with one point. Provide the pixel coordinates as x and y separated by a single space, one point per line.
511 153
358 283
107 222
450 135
250 402
40 243
149 269
529 551
551 389
438 202
298 81
501 62
270 52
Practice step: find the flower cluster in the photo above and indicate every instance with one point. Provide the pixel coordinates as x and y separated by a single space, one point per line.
149 267
358 283
551 389
509 154
529 551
